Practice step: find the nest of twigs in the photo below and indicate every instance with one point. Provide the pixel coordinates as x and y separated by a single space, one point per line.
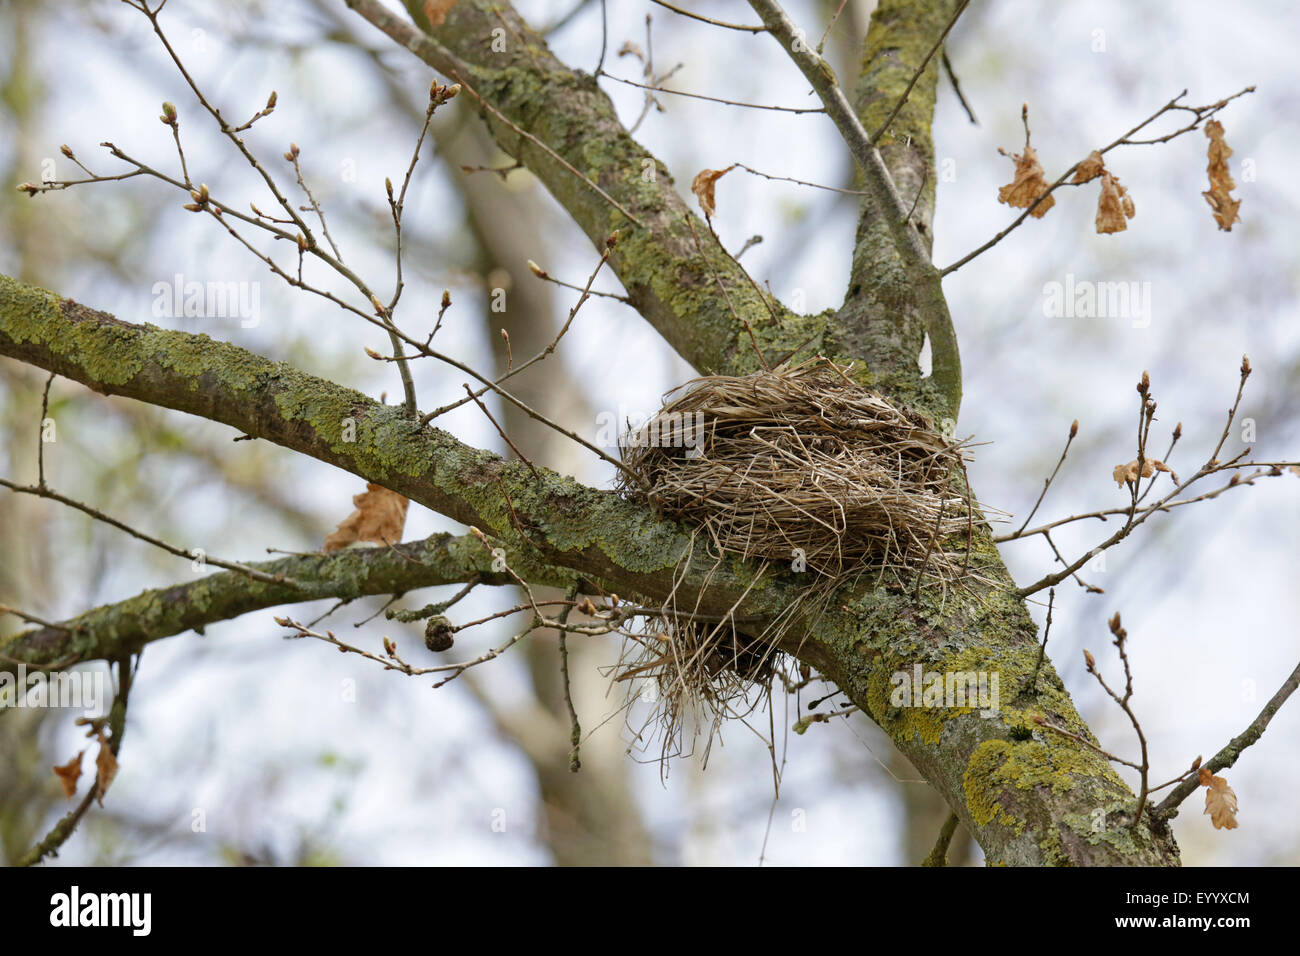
801 465
804 469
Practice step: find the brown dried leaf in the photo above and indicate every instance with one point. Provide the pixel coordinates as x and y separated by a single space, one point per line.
105 768
1114 207
1028 185
631 49
703 185
1089 169
69 773
1221 184
379 518
1220 801
437 10
1150 466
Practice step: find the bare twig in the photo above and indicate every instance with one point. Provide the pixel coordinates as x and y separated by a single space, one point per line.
902 100
716 99
40 438
956 88
703 19
575 728
501 431
801 182
1047 483
46 492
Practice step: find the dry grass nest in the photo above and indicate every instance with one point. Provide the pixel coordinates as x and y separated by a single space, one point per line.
801 465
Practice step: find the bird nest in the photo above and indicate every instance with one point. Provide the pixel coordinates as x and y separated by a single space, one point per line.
801 468
801 465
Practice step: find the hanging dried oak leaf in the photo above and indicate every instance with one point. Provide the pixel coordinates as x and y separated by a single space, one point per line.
1220 801
1221 183
703 185
1114 207
105 768
1150 466
1089 169
379 518
69 773
1028 185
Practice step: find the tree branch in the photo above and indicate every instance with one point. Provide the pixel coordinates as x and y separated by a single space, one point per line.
126 626
563 127
1226 757
593 532
894 297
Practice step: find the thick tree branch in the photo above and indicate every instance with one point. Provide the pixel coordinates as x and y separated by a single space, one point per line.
894 298
596 533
